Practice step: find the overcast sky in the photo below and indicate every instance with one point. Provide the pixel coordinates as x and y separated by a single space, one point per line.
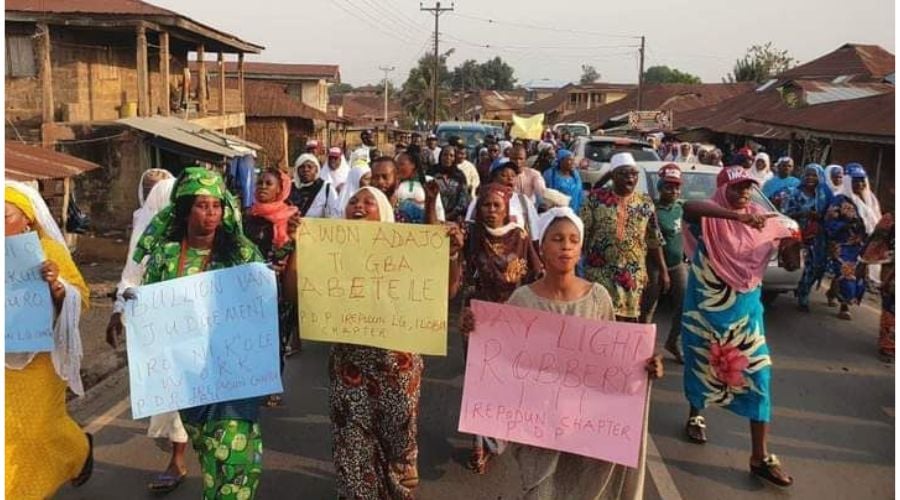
543 40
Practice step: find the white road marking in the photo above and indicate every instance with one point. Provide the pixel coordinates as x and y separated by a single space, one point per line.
660 473
108 416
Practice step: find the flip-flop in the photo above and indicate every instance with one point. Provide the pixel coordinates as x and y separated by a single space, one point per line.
767 470
88 468
166 482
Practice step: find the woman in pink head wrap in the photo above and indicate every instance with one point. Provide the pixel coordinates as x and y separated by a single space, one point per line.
726 360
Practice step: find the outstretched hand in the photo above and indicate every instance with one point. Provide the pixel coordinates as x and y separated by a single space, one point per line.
756 221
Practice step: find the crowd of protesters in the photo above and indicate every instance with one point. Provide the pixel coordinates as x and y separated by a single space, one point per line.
523 230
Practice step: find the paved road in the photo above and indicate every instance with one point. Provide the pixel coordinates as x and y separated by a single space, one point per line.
833 427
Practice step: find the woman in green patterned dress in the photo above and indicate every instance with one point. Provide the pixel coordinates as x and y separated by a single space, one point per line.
201 231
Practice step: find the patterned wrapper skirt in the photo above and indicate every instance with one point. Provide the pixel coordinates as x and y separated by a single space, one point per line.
374 411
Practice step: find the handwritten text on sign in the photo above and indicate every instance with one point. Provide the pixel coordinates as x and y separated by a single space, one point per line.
29 309
558 382
203 339
375 284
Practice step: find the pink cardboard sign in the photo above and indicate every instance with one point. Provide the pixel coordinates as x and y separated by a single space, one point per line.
559 382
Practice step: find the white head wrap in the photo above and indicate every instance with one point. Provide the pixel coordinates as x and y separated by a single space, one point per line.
385 209
161 172
547 218
866 204
304 158
621 160
336 177
835 188
352 186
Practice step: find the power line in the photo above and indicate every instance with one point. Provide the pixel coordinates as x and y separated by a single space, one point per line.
368 22
384 14
544 28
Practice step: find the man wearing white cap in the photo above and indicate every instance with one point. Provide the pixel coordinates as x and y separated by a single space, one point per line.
621 231
433 151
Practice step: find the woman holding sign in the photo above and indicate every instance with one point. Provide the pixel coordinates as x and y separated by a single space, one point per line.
374 395
497 259
726 360
201 231
548 473
44 446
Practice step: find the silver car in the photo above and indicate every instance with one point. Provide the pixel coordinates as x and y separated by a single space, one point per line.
699 183
592 154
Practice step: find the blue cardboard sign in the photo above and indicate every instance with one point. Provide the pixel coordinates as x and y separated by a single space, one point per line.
203 339
29 308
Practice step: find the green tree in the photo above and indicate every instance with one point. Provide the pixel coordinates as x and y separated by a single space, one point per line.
467 76
339 89
416 94
665 74
760 63
588 74
493 74
497 75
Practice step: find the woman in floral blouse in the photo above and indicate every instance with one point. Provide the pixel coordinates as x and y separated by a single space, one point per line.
621 232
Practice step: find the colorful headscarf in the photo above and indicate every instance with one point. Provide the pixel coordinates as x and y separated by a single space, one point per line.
504 192
193 181
277 212
737 252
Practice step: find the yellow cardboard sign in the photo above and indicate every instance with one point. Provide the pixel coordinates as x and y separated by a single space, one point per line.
527 128
375 284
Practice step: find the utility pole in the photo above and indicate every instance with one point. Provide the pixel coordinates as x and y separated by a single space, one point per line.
386 69
437 10
640 95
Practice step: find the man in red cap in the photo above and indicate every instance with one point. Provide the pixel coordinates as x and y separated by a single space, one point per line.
669 212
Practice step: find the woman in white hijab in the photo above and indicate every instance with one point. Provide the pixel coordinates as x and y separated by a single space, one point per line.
311 194
834 176
762 168
336 170
359 177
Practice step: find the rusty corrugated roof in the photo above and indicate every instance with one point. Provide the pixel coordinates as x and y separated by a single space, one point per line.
869 116
35 9
726 116
856 62
264 70
269 100
665 96
28 163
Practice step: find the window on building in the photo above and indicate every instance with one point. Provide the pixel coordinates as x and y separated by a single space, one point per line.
20 56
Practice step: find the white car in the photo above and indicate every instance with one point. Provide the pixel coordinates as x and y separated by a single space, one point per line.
699 183
592 154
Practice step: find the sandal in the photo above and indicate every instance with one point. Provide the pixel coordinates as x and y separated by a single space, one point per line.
770 470
845 315
672 347
478 460
695 429
166 482
274 401
88 468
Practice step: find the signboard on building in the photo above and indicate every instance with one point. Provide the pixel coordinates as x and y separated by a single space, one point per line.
650 120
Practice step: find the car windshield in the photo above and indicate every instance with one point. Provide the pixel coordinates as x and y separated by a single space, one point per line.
472 138
700 186
601 152
575 130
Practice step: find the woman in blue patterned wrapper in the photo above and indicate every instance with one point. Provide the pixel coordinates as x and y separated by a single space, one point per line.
726 359
807 205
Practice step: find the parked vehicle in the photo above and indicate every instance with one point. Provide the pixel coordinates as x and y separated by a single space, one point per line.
699 183
592 154
472 133
577 129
